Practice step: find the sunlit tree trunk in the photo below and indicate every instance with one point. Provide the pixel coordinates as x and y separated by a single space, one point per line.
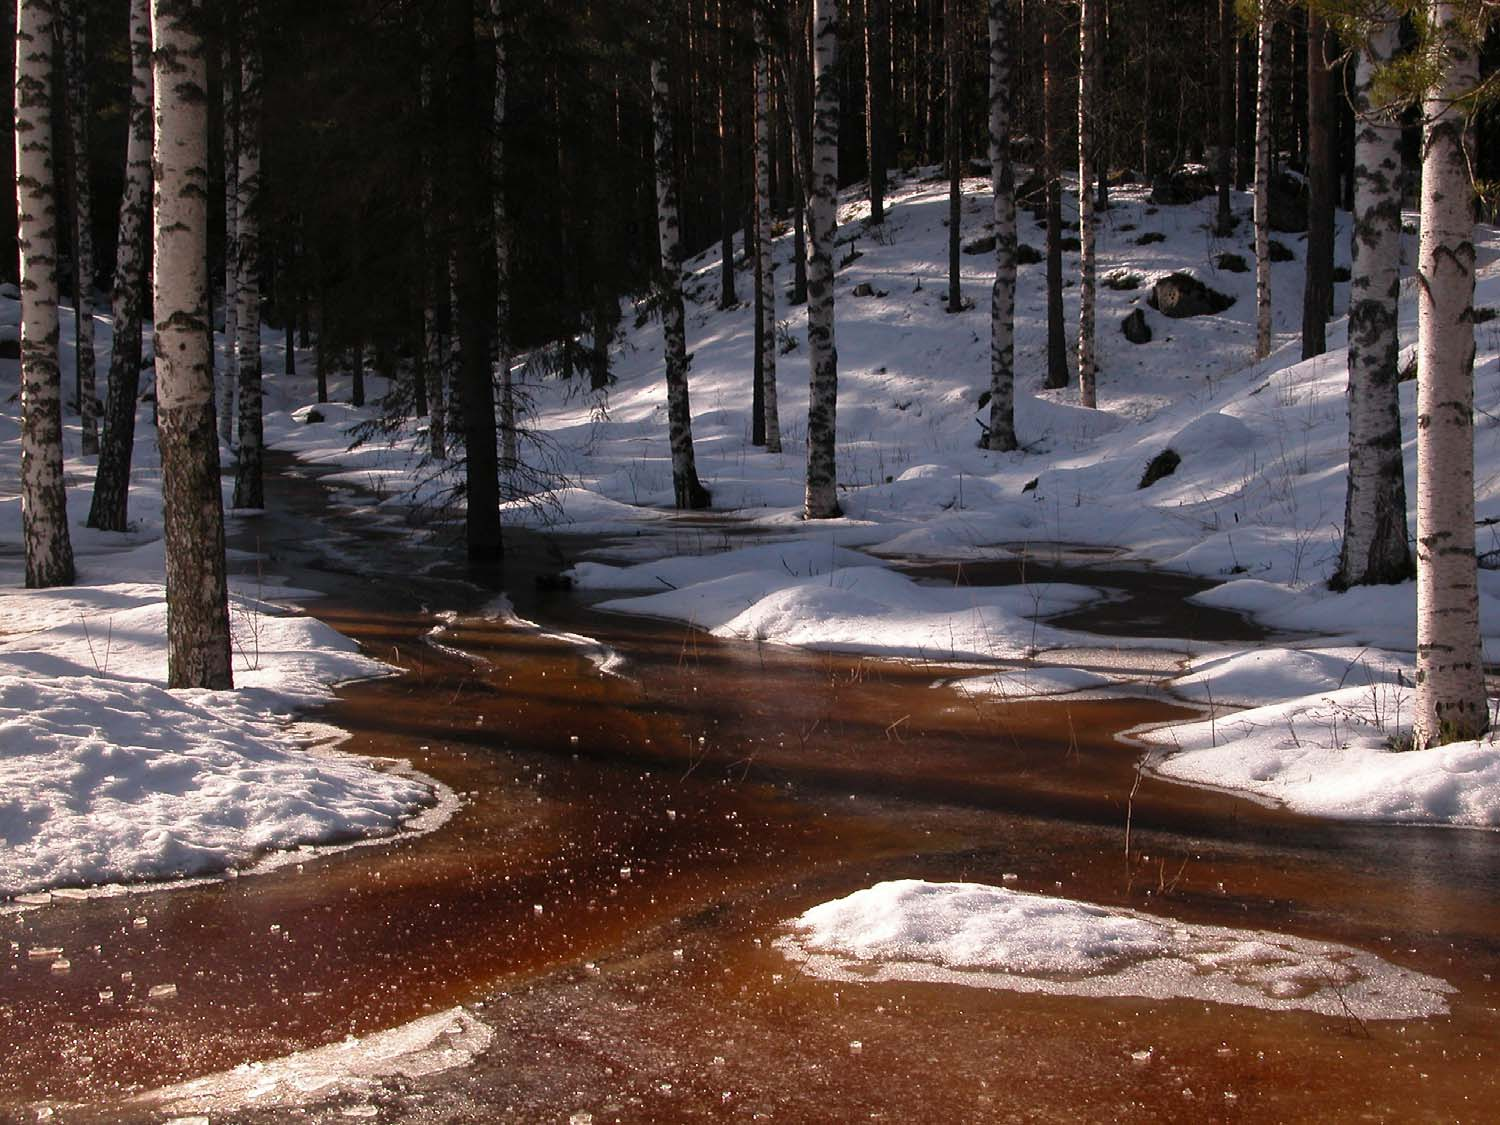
1001 434
1375 547
109 510
1088 35
75 69
198 647
821 501
249 453
687 492
1450 702
508 454
229 376
765 250
1264 27
44 505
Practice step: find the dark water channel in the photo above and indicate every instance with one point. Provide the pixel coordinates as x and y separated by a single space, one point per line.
629 844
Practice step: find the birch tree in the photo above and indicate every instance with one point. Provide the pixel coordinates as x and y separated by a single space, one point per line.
44 504
1001 433
765 277
75 70
1265 23
687 492
1375 548
249 491
109 510
1450 698
1088 34
508 455
821 498
198 647
230 375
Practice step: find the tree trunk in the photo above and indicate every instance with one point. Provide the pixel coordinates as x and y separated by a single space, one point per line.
75 70
230 377
821 501
1317 294
44 504
1244 112
198 645
509 457
249 491
951 63
1057 347
764 248
877 81
1264 28
1224 222
1001 433
1450 704
434 278
1375 548
727 296
110 507
687 492
1088 34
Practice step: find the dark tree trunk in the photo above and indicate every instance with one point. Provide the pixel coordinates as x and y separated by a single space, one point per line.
1317 299
1224 223
950 143
877 83
1057 344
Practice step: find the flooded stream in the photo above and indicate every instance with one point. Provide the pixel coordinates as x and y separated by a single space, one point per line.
630 843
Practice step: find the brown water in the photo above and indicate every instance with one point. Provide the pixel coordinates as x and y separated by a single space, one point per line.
694 803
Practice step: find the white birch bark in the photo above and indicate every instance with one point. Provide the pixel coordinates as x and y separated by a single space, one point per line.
771 411
109 510
1088 23
44 504
249 491
1001 433
508 453
230 375
1450 697
686 490
75 51
1375 548
1262 217
821 498
198 649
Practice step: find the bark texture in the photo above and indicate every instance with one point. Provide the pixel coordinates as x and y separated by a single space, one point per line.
75 50
110 508
1224 164
1264 27
1057 346
952 61
508 453
687 492
44 504
1001 432
434 282
229 376
1317 293
198 643
877 81
1450 698
249 491
1375 548
764 249
1088 35
821 498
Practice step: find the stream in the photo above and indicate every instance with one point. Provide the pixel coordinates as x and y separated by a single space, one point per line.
631 841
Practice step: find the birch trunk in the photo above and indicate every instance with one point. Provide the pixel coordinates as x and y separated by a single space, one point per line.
1375 548
75 68
248 483
687 492
229 377
508 454
110 508
1450 702
764 249
198 647
821 499
1088 33
1001 434
44 504
1264 26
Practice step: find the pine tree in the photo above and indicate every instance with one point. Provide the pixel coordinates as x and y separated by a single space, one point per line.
1450 703
109 510
508 453
432 272
1001 433
952 82
1265 25
44 504
1088 34
1317 292
1224 163
249 485
75 70
821 501
198 647
877 85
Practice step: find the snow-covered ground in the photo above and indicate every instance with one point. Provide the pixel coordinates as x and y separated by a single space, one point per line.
1257 501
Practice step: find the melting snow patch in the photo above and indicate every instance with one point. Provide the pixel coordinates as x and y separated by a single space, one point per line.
990 937
434 1043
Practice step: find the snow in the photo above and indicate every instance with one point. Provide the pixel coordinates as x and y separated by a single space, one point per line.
993 937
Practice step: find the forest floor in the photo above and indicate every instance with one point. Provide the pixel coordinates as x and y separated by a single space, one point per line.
949 561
